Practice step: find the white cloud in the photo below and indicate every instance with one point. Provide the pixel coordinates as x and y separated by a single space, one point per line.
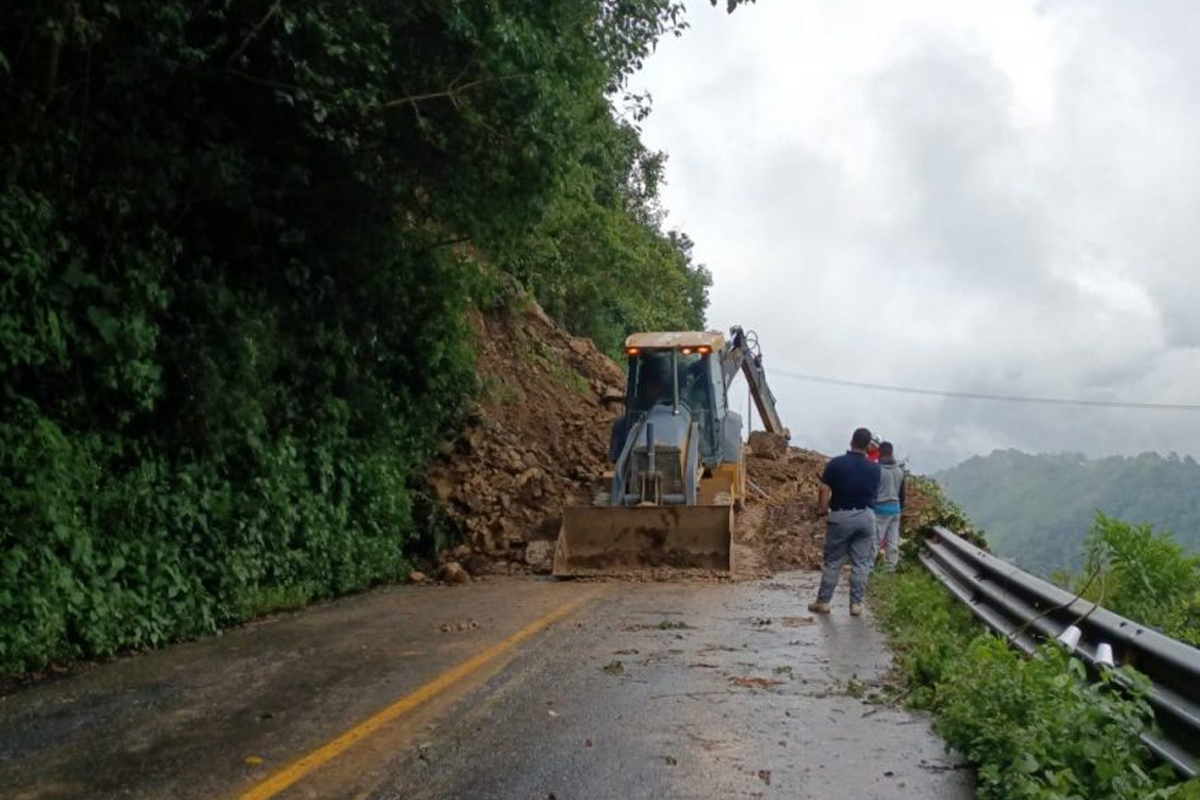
956 194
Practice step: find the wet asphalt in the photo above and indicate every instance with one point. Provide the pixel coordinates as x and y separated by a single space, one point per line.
671 690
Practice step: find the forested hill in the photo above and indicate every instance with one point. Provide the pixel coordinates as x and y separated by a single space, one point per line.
1037 509
238 242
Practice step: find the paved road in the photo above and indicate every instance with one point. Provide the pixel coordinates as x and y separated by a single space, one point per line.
507 689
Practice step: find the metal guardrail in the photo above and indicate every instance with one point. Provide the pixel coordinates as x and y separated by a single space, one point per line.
1026 609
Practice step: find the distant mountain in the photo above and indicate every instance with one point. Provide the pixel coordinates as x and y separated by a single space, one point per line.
1037 509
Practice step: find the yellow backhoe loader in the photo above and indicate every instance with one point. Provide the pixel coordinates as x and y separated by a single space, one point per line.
678 467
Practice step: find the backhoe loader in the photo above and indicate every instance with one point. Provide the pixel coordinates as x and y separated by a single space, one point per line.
678 468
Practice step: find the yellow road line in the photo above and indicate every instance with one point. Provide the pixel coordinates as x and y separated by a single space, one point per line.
326 753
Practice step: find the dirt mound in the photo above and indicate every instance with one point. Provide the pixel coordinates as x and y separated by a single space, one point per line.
779 529
539 441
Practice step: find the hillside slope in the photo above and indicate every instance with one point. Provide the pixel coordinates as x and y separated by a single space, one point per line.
1037 509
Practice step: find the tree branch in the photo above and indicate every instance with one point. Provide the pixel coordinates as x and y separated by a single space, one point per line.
451 93
241 48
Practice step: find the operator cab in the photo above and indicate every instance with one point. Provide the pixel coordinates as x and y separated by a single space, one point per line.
681 372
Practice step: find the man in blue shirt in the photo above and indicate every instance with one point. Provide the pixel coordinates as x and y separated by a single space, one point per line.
849 486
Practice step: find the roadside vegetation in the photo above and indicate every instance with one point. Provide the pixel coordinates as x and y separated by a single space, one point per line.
237 247
1145 576
1039 727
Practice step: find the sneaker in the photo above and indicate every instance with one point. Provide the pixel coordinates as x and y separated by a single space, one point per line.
855 609
818 607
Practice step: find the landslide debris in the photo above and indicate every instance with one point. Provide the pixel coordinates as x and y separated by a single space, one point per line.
779 529
539 442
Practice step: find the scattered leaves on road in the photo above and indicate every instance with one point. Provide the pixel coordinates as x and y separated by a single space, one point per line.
457 627
664 625
755 683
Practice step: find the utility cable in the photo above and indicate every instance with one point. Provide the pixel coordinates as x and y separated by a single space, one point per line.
1007 398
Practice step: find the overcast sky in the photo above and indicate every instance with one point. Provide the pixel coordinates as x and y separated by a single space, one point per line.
969 195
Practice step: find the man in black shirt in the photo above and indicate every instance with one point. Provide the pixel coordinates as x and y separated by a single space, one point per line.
848 488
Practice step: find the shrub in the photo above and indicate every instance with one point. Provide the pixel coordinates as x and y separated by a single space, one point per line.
1035 727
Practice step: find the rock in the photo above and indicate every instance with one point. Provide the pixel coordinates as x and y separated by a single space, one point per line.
612 396
505 533
477 565
530 486
484 541
443 487
453 572
768 445
471 441
416 576
540 556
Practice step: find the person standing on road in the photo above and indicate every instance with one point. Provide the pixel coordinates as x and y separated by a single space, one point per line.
849 487
889 503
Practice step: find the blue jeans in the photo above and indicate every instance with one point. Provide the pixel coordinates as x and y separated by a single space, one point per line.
850 533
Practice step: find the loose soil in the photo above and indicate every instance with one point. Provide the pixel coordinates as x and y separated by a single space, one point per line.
538 441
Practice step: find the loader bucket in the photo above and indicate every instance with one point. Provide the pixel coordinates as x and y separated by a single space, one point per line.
611 540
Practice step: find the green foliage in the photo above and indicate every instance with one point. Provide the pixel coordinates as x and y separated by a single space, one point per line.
933 509
600 260
927 629
1035 728
237 244
1037 509
1040 728
1146 577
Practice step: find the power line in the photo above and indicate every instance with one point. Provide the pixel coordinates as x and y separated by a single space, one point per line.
1056 401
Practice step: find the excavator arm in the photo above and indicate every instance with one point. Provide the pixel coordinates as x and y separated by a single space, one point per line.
742 354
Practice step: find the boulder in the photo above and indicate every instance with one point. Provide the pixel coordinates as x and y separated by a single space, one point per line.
540 556
477 564
453 572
